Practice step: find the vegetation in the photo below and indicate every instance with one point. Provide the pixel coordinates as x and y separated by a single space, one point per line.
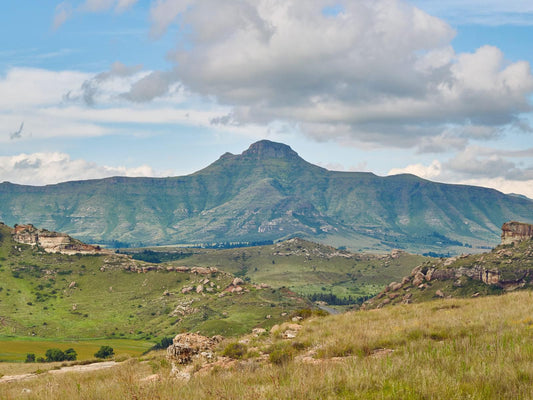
105 352
445 349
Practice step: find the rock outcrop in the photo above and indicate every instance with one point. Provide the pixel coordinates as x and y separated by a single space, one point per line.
187 346
514 232
52 242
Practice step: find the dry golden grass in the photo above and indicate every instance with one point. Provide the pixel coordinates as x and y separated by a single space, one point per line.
447 349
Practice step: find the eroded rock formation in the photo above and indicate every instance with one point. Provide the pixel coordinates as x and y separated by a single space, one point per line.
513 232
51 242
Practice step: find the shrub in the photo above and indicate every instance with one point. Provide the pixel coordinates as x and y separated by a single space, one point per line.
235 350
281 356
105 352
30 358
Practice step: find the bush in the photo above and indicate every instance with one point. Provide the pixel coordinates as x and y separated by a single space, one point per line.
30 358
235 350
281 356
105 352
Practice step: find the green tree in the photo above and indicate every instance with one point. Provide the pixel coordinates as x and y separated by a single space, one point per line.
70 355
105 352
54 355
30 358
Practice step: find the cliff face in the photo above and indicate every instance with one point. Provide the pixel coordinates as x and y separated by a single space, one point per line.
513 232
51 242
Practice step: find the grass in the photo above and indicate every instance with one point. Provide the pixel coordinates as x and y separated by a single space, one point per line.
445 349
12 349
80 297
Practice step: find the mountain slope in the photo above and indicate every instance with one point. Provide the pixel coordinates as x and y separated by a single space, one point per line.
269 193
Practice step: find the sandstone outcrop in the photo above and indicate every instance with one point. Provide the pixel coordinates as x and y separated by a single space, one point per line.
514 232
52 242
187 346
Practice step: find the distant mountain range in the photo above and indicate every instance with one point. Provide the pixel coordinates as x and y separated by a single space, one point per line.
269 193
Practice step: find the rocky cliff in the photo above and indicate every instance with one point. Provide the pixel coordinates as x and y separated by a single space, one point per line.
514 232
507 267
52 242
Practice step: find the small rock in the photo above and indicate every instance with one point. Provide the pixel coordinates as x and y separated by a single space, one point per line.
199 289
258 331
237 281
268 316
439 293
72 285
296 319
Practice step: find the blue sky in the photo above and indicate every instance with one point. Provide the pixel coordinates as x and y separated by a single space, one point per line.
158 88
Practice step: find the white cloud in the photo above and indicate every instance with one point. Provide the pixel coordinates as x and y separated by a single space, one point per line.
430 172
48 168
373 72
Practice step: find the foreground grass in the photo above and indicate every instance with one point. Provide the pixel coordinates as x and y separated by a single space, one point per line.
447 349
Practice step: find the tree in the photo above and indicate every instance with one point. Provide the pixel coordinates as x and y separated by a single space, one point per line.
104 352
70 354
30 358
54 355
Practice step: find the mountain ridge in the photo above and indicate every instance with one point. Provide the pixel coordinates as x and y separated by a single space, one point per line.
269 192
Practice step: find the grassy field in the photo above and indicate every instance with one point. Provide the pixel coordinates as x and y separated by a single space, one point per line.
445 349
13 349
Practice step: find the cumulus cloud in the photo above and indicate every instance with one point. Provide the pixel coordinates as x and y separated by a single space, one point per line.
48 168
480 166
380 72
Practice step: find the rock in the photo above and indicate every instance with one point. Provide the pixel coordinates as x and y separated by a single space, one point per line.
296 319
199 289
407 296
52 242
393 295
258 331
288 334
429 274
419 278
187 346
514 232
72 285
166 293
237 282
405 280
187 289
268 316
439 293
394 286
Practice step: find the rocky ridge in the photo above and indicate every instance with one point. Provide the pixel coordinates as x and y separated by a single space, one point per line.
52 242
507 267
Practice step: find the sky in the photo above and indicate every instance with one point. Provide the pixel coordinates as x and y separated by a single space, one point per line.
97 88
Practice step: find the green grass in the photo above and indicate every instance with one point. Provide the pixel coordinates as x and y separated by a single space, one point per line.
38 298
15 349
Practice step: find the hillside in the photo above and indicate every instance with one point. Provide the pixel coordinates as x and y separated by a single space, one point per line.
54 295
447 349
506 268
304 267
269 193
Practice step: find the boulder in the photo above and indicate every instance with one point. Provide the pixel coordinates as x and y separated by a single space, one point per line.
187 346
418 279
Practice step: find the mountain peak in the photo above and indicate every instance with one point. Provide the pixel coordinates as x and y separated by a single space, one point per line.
267 149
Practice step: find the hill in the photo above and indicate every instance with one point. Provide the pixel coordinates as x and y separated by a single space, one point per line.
310 269
506 268
54 295
269 193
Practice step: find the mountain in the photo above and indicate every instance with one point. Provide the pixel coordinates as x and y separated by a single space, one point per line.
269 193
